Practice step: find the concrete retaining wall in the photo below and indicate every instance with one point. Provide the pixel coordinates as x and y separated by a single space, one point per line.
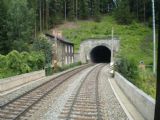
76 57
143 102
12 82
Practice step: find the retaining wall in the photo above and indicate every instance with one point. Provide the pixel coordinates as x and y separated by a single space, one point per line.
12 82
143 102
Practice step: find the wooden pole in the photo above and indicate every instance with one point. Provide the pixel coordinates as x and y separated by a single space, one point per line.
112 54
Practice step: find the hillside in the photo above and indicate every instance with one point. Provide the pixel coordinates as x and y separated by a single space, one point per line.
135 40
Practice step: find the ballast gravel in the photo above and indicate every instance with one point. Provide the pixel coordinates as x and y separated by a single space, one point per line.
111 106
58 98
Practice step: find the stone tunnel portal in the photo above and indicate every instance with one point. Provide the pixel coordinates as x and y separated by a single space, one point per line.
100 54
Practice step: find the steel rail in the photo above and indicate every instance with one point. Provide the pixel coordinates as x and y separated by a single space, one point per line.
35 101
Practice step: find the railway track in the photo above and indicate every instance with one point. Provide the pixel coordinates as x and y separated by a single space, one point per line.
17 108
84 104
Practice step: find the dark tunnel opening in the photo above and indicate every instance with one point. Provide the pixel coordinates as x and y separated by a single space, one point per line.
100 54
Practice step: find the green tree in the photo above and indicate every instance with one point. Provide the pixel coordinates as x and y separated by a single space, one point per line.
56 12
20 25
70 9
83 9
43 45
4 42
122 13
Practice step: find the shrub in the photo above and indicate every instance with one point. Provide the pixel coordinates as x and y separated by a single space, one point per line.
43 45
14 60
25 68
25 56
17 63
127 68
36 60
3 61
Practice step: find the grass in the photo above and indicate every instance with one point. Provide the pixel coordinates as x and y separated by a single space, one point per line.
135 41
147 82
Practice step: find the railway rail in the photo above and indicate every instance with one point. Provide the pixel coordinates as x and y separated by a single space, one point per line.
84 104
17 108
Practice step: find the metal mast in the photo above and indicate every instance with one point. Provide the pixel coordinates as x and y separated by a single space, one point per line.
154 38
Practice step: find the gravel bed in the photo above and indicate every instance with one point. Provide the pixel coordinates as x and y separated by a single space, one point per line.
56 101
112 109
25 88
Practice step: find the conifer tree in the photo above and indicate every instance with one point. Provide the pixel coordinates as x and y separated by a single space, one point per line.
20 24
4 42
70 9
122 13
83 9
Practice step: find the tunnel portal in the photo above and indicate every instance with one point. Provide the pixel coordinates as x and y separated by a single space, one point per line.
100 54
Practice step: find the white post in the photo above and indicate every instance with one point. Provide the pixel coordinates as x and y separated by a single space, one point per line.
112 46
154 38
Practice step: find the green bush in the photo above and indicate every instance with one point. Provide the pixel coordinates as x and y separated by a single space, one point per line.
42 44
14 61
25 56
17 63
127 68
37 60
25 68
3 61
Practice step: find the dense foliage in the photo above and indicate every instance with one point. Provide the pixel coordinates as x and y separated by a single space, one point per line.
15 63
142 78
122 13
130 10
4 42
42 44
20 25
127 68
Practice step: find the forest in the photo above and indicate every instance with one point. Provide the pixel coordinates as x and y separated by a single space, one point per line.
23 20
22 23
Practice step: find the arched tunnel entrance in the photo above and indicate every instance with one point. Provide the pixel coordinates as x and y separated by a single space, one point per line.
100 54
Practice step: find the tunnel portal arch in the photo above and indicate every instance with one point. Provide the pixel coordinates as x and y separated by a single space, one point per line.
100 54
88 46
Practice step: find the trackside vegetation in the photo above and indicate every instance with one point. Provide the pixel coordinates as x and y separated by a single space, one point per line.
15 63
